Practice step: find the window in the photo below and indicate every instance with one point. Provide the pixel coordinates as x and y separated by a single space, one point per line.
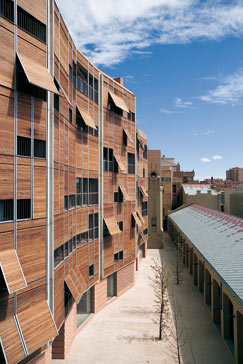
80 124
69 202
23 209
56 97
93 226
91 270
121 255
31 25
68 299
66 202
82 79
39 148
70 115
145 151
108 160
131 115
82 238
87 191
23 146
7 9
144 208
145 232
74 242
93 191
143 172
174 188
6 210
153 221
74 79
120 224
131 163
166 179
70 73
113 107
116 257
124 138
66 249
116 197
58 255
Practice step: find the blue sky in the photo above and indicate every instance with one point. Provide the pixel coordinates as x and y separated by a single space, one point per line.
183 59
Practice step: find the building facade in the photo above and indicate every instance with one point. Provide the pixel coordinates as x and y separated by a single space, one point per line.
201 194
235 174
155 212
73 185
233 201
209 251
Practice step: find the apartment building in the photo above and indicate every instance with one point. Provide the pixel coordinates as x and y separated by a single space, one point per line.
235 174
73 185
172 179
213 253
201 194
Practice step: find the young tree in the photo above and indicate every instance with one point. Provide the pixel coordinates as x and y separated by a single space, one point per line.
178 263
160 283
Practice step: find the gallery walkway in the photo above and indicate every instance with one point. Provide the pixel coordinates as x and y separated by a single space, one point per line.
123 332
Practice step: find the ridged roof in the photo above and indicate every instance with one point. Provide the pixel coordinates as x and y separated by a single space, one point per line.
219 239
192 188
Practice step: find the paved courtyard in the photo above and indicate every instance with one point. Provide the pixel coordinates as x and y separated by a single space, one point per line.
123 332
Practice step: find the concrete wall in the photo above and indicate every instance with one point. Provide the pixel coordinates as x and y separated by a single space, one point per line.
125 278
233 202
100 295
203 199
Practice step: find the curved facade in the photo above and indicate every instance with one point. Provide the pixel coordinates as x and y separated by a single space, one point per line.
73 184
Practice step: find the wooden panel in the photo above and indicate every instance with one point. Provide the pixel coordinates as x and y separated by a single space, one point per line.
80 278
32 252
6 58
40 119
64 46
6 124
59 292
37 74
36 8
143 190
73 288
39 192
112 225
24 116
6 178
124 192
120 163
11 269
31 295
11 341
138 222
23 181
6 241
37 325
141 217
118 101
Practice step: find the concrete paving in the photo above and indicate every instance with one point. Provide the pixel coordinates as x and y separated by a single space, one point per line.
123 332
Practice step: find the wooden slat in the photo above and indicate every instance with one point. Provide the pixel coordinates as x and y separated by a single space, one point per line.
141 217
142 135
143 190
12 271
63 93
124 192
128 135
118 101
76 282
119 161
37 74
112 225
87 118
135 216
12 345
80 277
142 235
73 289
37 325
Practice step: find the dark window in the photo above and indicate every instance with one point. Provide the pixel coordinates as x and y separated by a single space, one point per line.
116 257
58 255
24 86
165 179
80 124
82 238
74 74
87 192
66 249
56 97
145 151
39 148
70 73
91 270
144 208
23 209
116 197
108 160
124 138
113 107
71 203
70 246
145 232
66 202
121 255
131 115
82 80
143 172
24 146
153 221
120 224
93 226
31 25
131 163
7 9
68 299
137 145
6 210
93 191
174 188
70 115
74 242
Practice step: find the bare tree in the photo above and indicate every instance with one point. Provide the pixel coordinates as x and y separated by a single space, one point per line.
160 283
178 266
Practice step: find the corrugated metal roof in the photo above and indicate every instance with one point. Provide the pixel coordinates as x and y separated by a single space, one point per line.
219 239
191 189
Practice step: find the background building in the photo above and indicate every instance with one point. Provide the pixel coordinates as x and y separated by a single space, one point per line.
73 184
200 194
233 201
235 174
155 212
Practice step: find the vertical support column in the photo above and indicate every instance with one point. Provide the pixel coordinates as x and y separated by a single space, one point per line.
49 162
101 177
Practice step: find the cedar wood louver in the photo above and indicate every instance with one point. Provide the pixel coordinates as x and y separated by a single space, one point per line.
76 286
143 191
112 225
87 118
141 217
128 135
119 161
37 325
125 194
135 216
10 340
12 271
118 101
37 74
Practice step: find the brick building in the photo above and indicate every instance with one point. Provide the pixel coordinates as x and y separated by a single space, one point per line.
73 185
235 174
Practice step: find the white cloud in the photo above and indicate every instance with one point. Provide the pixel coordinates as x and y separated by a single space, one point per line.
182 104
205 160
165 111
208 132
108 31
217 157
230 91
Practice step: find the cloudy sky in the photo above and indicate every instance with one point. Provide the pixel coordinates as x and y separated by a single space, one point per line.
183 59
